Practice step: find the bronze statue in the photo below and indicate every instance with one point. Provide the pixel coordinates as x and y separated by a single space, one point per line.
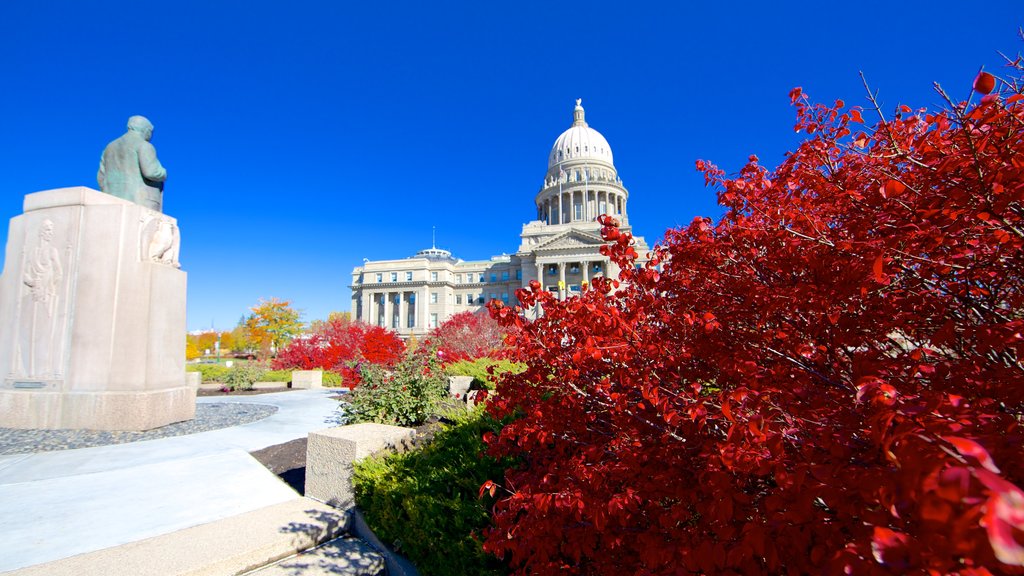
129 167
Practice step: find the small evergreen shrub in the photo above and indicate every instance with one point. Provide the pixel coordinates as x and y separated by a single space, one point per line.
405 395
426 503
243 375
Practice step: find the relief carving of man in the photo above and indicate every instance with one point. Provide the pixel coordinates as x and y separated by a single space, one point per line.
129 167
43 275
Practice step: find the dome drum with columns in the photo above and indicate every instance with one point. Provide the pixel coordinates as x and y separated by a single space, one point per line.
560 249
581 181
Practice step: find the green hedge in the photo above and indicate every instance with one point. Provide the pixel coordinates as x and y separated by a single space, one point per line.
426 504
219 373
478 369
277 376
210 372
331 379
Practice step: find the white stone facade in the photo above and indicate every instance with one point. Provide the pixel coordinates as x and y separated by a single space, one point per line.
561 248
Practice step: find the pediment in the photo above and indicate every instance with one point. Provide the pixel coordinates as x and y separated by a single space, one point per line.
570 239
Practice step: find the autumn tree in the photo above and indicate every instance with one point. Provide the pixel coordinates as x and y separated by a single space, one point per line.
271 325
191 351
827 380
227 340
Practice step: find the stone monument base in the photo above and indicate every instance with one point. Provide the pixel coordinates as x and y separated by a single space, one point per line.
96 410
92 316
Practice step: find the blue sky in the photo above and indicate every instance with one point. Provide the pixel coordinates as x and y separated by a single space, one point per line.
301 137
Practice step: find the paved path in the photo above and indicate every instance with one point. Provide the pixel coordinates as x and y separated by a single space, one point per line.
58 504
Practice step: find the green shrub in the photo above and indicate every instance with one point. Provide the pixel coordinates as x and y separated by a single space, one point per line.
210 372
426 503
479 370
405 395
243 375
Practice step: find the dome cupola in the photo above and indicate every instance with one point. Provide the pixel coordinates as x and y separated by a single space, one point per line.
580 142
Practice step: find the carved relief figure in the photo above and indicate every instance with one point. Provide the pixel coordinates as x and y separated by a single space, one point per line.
129 167
160 241
43 276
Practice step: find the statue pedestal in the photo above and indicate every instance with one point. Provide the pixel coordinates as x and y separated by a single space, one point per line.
92 316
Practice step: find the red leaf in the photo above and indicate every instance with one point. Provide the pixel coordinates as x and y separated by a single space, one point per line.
890 548
877 268
984 82
894 188
967 447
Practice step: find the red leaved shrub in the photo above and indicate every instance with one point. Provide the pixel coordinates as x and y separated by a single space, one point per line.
340 345
467 336
828 380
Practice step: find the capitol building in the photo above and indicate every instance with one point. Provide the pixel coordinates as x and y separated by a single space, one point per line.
560 248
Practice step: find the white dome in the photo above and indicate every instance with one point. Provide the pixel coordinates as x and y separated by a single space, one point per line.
580 142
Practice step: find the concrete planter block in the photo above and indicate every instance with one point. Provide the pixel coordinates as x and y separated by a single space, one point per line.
459 386
307 379
194 379
330 454
268 385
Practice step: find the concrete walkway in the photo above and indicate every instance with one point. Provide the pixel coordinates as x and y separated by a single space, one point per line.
58 504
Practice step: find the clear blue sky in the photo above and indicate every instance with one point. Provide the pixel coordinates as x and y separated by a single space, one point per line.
301 137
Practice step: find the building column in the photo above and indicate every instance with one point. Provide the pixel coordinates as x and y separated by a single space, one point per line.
561 281
586 273
421 321
560 207
540 274
402 312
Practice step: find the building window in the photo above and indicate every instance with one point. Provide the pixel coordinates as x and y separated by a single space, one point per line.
394 276
380 277
578 211
504 297
552 270
481 276
433 297
494 277
408 276
519 274
504 276
433 276
574 269
458 278
458 298
494 296
433 319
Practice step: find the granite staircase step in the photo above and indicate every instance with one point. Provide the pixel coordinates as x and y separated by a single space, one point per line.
233 545
346 556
